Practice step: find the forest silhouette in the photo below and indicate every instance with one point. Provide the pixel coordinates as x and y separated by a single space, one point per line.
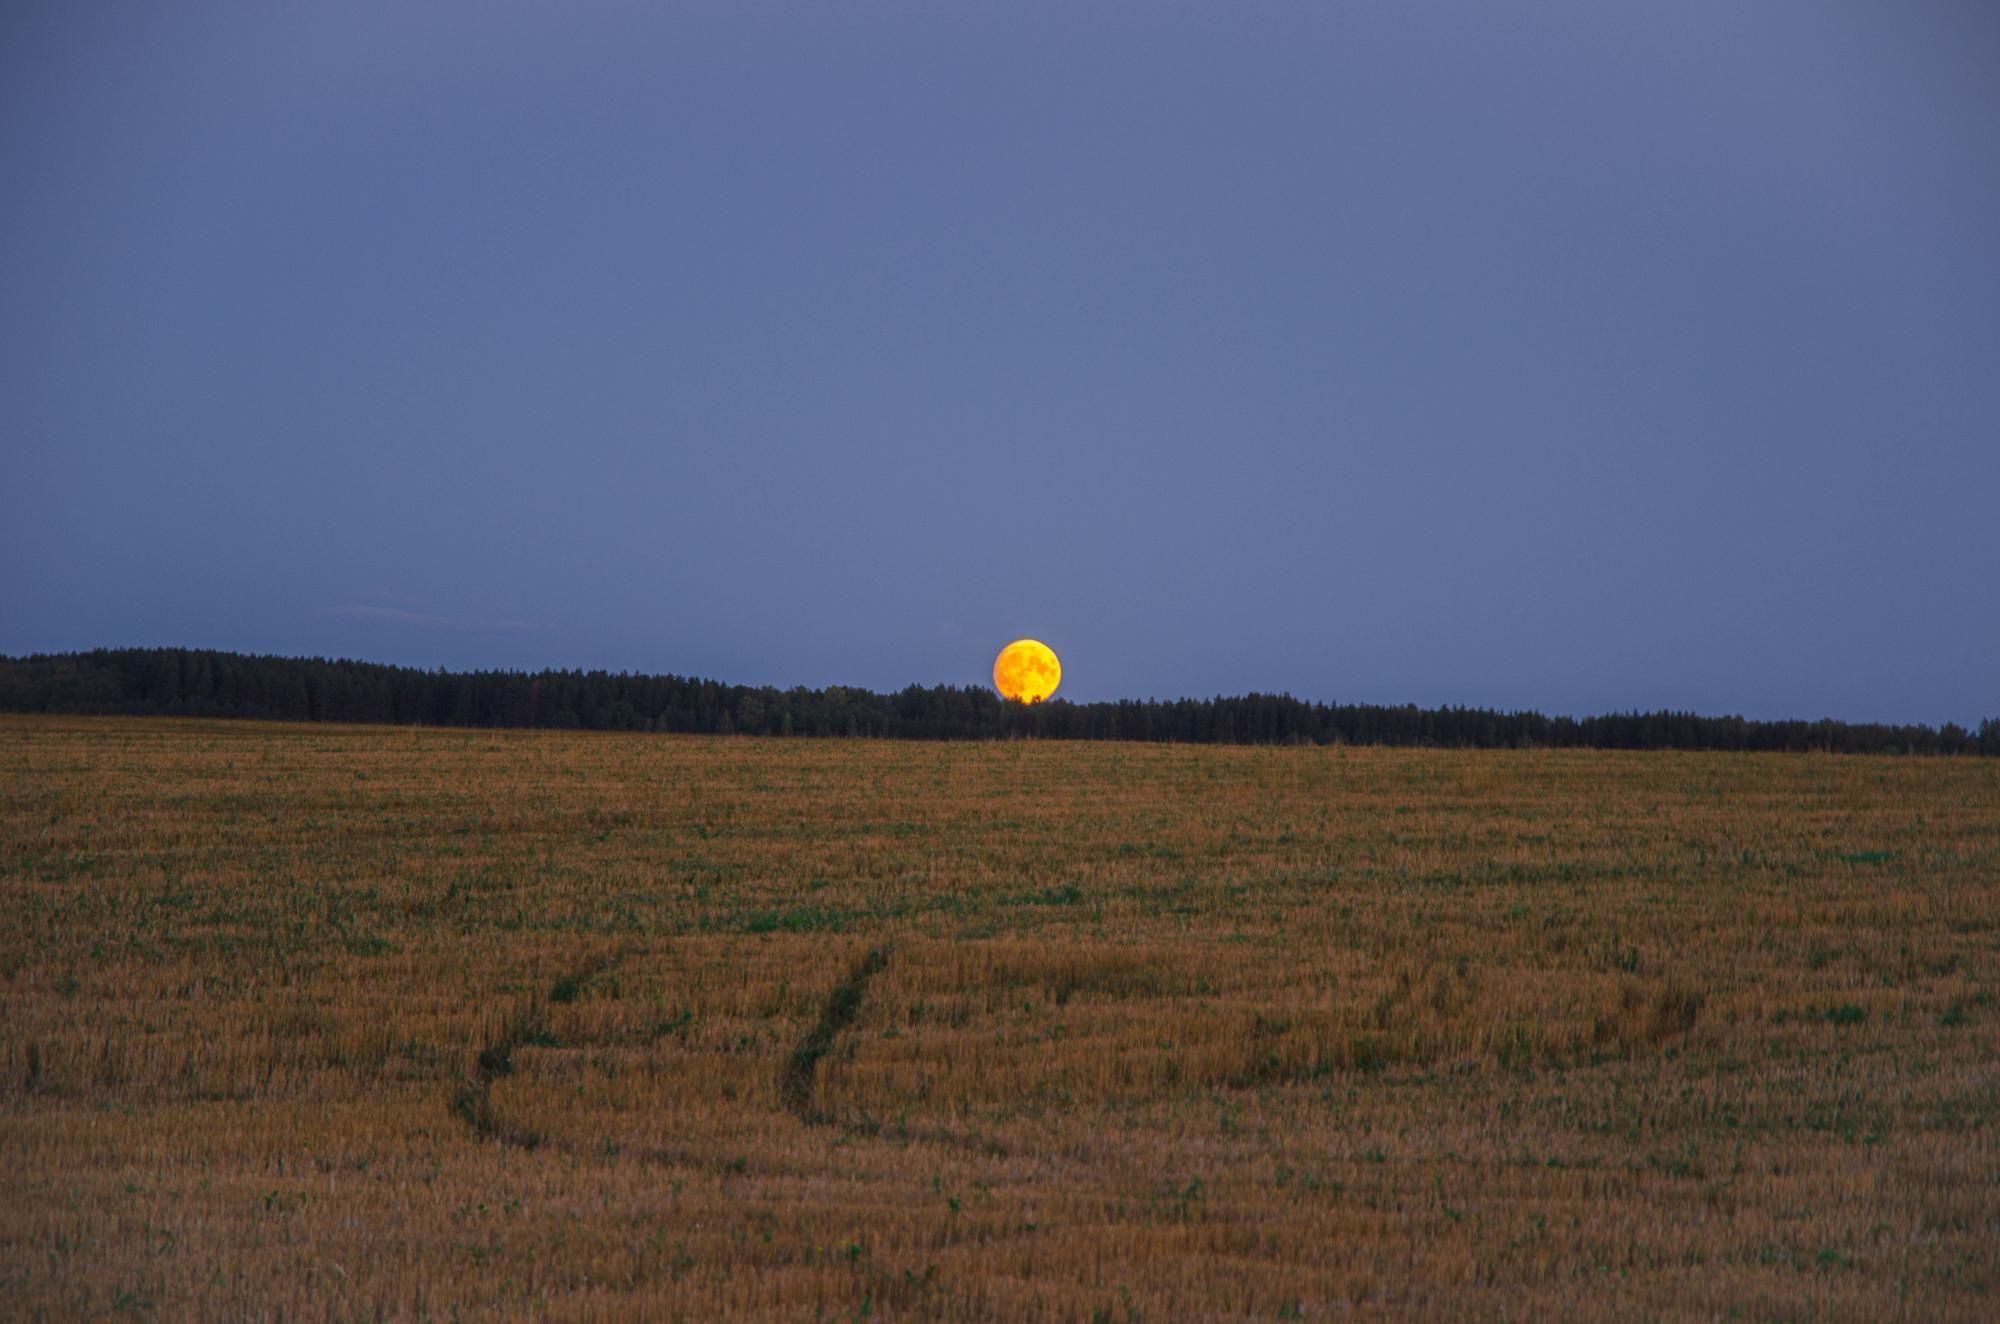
205 683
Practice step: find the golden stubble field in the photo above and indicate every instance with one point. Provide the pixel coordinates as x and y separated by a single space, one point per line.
306 1022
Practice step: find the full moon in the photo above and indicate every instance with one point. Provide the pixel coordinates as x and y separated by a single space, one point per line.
1027 670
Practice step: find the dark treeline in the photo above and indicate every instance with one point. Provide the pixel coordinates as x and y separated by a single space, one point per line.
200 683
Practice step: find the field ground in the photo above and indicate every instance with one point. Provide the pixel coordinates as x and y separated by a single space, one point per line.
347 1022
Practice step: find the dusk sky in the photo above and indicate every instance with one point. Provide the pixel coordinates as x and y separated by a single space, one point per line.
1579 357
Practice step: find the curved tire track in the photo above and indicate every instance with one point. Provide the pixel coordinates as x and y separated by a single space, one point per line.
796 1082
474 1101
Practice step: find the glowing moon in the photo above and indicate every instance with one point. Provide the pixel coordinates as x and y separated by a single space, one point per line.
1027 670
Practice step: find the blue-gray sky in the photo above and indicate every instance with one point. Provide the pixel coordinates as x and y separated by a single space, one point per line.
1574 356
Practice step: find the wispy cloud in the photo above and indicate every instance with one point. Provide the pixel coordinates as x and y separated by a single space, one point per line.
423 621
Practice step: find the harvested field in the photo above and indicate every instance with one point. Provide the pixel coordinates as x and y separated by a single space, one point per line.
338 1022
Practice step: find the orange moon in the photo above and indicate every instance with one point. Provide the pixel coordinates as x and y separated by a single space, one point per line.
1027 670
